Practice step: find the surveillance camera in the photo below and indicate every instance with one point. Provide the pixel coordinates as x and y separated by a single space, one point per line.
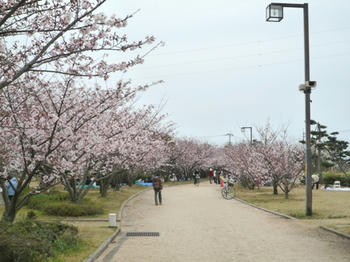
311 84
307 86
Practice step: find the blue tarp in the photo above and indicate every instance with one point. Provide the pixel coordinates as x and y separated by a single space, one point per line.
93 186
144 184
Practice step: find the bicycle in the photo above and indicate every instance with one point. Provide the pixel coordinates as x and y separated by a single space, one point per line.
228 191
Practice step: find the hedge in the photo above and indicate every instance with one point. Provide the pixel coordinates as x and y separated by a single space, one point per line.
30 240
329 178
72 209
57 203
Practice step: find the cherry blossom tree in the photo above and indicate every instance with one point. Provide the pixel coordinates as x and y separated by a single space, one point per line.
50 131
268 150
50 122
62 37
245 164
283 159
141 148
292 166
272 158
218 158
190 154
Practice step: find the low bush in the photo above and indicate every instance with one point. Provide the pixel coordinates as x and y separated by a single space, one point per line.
329 178
30 240
40 201
72 210
56 203
31 215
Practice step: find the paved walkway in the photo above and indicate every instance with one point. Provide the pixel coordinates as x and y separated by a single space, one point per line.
197 224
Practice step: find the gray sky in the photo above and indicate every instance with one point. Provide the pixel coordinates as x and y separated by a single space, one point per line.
225 67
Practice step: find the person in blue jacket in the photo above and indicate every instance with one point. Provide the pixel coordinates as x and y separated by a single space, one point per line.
11 186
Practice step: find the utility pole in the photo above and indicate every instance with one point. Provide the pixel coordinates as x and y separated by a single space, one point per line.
307 93
251 132
229 138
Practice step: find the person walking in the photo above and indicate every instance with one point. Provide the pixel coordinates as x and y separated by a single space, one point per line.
197 177
210 175
221 178
315 181
157 187
194 177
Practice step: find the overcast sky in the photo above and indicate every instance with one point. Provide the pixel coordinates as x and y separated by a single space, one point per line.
224 67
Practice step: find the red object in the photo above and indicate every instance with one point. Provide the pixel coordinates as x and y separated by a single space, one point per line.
221 183
211 173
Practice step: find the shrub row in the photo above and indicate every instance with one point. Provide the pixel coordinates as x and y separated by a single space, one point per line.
56 203
72 210
329 178
40 201
30 240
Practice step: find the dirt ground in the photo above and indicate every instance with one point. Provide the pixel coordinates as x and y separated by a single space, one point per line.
197 224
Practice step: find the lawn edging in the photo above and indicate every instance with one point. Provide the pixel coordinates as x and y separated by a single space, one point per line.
102 247
264 209
335 232
105 244
341 234
119 218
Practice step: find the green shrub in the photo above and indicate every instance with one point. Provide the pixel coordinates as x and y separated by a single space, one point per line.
56 203
30 240
40 201
72 210
31 215
329 178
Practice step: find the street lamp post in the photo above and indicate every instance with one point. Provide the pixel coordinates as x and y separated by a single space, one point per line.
274 13
251 132
229 138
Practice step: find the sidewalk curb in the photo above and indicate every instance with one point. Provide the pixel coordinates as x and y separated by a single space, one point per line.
102 248
119 218
335 232
76 220
105 244
289 217
264 209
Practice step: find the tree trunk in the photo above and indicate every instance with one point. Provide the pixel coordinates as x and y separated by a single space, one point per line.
9 214
166 178
117 187
286 194
275 188
74 198
319 166
130 179
104 183
73 194
115 183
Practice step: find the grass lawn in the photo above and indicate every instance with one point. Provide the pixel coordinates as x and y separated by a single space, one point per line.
92 234
330 208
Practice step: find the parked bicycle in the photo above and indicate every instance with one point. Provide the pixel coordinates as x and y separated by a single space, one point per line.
228 191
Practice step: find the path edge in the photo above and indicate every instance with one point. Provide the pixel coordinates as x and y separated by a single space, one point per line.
120 213
335 232
264 209
105 244
341 234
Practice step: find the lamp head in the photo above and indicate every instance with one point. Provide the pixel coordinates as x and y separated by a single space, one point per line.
274 12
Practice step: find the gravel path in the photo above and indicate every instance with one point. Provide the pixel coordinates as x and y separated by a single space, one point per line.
197 224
